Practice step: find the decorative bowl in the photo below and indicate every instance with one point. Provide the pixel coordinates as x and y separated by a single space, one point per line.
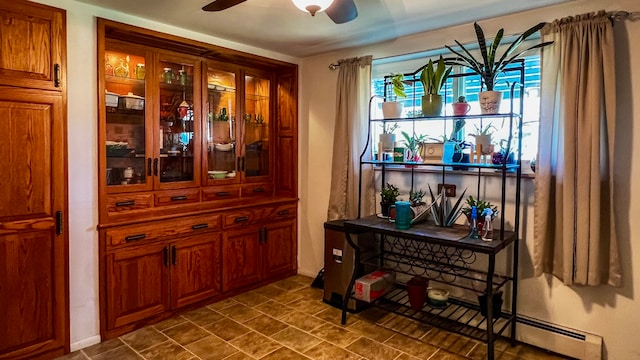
437 297
217 174
231 174
224 147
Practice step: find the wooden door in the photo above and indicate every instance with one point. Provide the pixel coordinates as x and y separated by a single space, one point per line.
195 269
241 264
279 251
33 250
32 45
137 283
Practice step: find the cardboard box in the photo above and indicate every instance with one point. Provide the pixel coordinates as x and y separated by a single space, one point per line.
374 285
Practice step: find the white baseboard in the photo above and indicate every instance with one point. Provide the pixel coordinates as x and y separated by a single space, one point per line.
569 342
85 343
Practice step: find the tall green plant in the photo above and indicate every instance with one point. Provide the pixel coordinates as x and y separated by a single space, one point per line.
490 65
397 83
433 76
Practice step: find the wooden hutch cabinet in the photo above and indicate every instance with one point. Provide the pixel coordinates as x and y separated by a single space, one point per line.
34 300
198 173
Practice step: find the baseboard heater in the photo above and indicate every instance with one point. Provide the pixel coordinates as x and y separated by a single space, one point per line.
559 339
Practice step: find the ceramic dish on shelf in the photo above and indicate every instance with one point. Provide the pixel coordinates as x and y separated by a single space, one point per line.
224 147
437 297
217 174
231 175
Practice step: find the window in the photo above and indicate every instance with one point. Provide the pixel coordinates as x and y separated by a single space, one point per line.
469 87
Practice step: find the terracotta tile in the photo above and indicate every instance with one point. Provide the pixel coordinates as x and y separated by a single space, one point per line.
274 309
239 356
445 355
222 304
302 321
227 329
309 306
407 327
326 351
144 338
372 331
240 313
255 344
284 354
373 350
454 343
296 339
290 285
76 355
270 291
102 347
311 293
186 333
211 348
120 353
287 297
335 334
203 316
266 325
250 299
167 351
168 323
411 346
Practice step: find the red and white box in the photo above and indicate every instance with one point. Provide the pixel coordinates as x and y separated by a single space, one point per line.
373 285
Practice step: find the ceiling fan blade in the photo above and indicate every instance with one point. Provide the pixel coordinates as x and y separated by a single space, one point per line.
342 11
218 5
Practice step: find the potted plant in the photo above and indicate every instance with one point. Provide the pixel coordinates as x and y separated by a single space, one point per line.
461 107
433 77
489 66
483 139
392 109
442 213
412 143
480 205
505 155
388 196
387 138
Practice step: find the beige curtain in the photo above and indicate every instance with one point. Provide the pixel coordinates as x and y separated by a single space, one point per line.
575 235
350 134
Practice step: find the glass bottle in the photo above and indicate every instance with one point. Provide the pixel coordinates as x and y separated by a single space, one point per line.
140 70
167 75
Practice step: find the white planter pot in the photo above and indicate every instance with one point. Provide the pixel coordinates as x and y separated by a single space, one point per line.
391 109
490 102
483 142
387 142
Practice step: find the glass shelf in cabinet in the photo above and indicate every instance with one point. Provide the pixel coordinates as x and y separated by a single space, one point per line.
123 80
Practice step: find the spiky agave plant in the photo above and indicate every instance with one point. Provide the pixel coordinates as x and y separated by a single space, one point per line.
434 77
488 67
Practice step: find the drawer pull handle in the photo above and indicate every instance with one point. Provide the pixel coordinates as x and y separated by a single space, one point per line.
126 203
222 193
200 226
258 190
179 198
283 212
135 237
241 219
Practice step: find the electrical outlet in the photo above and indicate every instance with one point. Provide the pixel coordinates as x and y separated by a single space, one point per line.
449 189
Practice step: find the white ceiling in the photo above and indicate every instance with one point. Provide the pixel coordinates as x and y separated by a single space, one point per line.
279 26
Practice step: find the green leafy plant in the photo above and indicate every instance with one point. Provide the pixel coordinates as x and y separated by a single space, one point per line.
484 130
412 142
480 206
388 128
415 197
442 213
490 65
397 83
389 194
434 75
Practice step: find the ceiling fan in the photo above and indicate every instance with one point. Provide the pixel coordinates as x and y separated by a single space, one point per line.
340 11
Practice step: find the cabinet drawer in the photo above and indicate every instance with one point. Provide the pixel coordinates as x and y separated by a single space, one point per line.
154 230
283 212
123 203
221 193
177 197
262 189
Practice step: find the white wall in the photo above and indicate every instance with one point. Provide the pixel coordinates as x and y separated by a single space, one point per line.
609 312
82 146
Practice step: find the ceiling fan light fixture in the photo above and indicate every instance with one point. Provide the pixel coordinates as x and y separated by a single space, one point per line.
312 6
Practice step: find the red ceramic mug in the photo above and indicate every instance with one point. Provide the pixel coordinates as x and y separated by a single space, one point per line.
460 108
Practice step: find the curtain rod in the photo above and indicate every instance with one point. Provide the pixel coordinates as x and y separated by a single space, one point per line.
624 15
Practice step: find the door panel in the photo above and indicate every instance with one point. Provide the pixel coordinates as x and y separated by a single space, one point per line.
241 263
137 285
195 272
279 249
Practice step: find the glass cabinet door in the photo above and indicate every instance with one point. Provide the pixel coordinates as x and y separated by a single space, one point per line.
126 130
176 129
221 126
256 125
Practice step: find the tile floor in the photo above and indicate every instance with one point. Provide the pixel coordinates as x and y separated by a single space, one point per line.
287 320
